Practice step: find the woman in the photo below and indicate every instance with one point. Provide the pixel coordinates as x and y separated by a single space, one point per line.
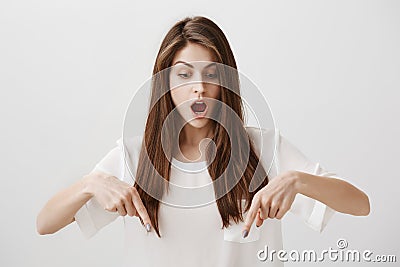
222 233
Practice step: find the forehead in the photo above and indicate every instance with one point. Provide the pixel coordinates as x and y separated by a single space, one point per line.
193 52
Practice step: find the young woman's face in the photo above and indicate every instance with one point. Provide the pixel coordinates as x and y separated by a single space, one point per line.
194 83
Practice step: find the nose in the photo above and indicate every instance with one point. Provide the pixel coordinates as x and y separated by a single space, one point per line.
198 88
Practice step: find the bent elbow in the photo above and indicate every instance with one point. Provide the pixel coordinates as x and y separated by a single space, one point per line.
42 230
41 227
366 208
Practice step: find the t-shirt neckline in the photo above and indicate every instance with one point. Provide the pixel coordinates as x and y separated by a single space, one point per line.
197 166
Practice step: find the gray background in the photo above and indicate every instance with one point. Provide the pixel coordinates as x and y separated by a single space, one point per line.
330 71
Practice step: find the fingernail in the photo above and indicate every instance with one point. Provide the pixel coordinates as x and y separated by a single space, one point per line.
245 233
148 227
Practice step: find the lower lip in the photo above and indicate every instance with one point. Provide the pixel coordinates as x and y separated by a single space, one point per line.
199 115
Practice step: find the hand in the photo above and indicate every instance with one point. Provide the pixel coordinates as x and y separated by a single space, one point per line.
115 195
273 200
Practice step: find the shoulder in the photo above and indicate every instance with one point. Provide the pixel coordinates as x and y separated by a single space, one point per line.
130 151
132 143
256 133
263 138
265 143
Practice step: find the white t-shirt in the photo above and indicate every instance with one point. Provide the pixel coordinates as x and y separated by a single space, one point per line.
193 237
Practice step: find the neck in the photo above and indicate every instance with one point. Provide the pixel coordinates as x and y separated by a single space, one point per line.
191 136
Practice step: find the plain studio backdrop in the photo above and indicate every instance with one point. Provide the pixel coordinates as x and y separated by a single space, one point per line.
329 69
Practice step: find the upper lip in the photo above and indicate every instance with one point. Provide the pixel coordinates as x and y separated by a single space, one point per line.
197 101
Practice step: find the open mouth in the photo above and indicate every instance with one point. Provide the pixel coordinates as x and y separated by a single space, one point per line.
199 108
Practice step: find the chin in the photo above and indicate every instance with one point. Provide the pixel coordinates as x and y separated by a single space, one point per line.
199 123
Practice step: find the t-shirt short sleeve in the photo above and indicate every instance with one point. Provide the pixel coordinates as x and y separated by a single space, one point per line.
91 217
288 157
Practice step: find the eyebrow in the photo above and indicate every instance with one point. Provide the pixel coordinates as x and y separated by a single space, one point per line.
191 66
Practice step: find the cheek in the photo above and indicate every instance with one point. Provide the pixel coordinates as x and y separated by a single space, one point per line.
216 93
177 96
173 97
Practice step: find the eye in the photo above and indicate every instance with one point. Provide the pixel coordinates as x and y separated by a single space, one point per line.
183 75
211 75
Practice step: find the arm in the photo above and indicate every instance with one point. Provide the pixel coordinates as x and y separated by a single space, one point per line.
335 193
276 198
59 211
112 195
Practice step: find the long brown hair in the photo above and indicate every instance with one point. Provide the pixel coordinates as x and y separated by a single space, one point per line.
152 159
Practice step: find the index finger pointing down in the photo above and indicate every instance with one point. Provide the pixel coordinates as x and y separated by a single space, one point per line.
251 215
141 209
